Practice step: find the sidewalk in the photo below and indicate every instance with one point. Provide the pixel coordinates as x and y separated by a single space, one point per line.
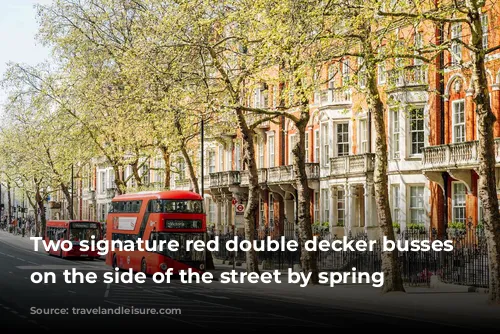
450 304
18 240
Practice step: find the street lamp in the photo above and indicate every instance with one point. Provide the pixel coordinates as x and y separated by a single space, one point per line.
202 155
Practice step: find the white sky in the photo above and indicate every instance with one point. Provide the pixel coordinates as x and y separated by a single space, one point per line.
18 29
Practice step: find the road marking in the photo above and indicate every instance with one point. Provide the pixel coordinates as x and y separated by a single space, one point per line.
106 293
23 316
3 253
15 312
12 256
215 304
71 291
33 322
210 296
123 286
22 260
10 272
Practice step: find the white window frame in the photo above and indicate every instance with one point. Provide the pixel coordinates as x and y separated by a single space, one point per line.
291 143
363 135
461 205
411 208
346 71
261 153
331 76
341 206
337 143
237 159
485 27
325 199
317 146
325 144
458 124
395 133
257 98
456 47
361 73
411 131
270 150
270 209
212 166
102 181
221 159
396 202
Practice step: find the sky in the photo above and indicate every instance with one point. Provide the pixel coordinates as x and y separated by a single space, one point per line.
18 29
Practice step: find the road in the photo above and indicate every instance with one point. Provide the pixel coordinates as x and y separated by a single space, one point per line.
214 307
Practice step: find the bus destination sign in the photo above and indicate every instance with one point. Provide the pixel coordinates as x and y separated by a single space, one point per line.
84 225
187 224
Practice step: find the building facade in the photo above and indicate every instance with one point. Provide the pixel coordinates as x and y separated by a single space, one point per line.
432 151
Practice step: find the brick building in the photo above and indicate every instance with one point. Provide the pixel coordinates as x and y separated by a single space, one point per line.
431 132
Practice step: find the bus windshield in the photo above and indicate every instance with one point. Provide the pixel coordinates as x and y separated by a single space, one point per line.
182 254
176 206
84 231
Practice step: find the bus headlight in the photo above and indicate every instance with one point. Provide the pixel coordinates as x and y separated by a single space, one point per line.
163 267
202 266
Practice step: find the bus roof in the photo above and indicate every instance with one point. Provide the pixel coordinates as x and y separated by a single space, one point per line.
171 194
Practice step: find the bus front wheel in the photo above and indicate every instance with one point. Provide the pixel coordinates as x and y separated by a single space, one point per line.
144 267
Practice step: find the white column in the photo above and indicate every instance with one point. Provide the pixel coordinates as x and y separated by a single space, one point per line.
369 214
353 194
218 220
333 207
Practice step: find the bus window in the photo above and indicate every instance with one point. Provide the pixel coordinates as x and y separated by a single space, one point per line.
83 231
176 206
182 254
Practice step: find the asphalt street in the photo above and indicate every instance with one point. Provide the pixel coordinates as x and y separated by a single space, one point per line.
214 307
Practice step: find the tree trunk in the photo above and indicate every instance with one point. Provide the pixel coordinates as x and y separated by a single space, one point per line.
35 210
121 187
67 195
40 200
166 159
185 155
487 189
135 172
390 263
191 171
9 203
252 206
308 259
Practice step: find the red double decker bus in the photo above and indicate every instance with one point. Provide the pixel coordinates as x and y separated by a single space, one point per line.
161 216
74 231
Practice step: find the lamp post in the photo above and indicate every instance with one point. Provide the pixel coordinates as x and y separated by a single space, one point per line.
71 214
202 155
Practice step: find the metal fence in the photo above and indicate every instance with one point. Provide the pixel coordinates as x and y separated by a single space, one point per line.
466 264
